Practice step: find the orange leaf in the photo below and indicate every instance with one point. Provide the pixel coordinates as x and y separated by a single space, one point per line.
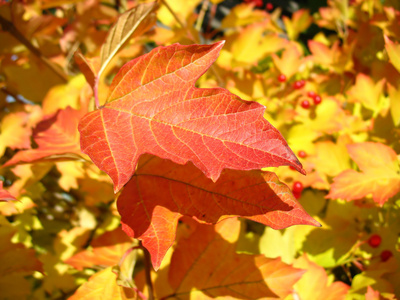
205 264
103 286
153 107
107 251
56 136
5 195
313 285
379 174
161 192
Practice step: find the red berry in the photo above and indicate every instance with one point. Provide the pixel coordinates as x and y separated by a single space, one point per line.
282 78
269 6
311 94
385 255
298 84
375 240
317 99
297 187
302 154
305 104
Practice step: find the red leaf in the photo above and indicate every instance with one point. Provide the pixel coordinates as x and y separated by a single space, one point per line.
5 195
56 135
161 192
153 107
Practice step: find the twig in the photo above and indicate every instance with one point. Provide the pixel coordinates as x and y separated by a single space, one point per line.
8 26
17 97
147 268
202 13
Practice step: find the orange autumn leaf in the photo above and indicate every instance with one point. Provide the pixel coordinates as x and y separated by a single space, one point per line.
212 128
56 136
379 174
160 192
205 265
106 250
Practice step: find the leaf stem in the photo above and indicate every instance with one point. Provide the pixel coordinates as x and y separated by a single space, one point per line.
147 268
202 13
8 26
96 91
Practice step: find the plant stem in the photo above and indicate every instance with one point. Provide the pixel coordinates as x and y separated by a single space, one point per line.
202 13
8 26
96 91
147 268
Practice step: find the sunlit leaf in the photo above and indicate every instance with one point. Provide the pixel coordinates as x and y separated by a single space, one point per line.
379 174
210 127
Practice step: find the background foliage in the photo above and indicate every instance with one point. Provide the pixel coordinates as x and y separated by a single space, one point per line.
328 74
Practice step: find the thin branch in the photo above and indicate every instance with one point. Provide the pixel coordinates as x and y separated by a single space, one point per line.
17 97
202 14
8 26
147 268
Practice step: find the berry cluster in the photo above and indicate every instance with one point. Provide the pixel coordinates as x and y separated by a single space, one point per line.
375 241
316 99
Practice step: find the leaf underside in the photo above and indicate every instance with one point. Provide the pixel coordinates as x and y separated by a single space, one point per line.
161 192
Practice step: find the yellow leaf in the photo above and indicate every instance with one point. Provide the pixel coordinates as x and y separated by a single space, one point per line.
253 43
366 91
61 96
394 96
242 15
182 8
103 286
300 21
330 158
314 284
290 61
393 51
329 116
14 132
301 137
70 172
